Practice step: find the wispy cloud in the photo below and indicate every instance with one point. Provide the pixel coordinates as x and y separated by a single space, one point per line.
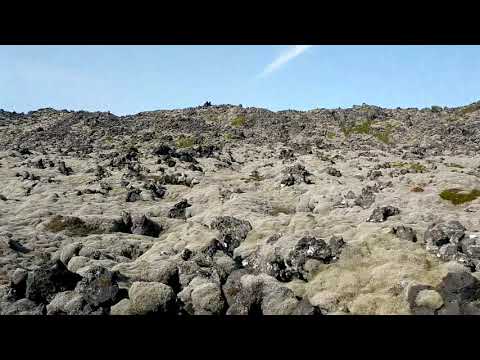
291 53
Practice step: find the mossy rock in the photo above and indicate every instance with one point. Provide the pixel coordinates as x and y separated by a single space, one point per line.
459 196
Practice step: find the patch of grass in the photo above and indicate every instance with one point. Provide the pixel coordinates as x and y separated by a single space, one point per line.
185 142
228 136
365 128
331 135
455 165
108 139
470 108
414 166
73 226
459 196
238 121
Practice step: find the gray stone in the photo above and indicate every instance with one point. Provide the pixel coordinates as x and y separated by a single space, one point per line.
123 307
69 251
71 303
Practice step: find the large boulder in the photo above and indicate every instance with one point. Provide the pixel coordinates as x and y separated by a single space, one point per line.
98 286
293 257
232 231
152 298
178 210
23 307
202 296
262 295
53 277
439 234
72 303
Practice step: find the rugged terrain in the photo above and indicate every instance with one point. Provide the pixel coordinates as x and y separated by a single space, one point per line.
230 210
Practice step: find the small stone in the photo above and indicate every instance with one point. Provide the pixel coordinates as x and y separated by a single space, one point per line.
381 214
69 251
122 308
404 233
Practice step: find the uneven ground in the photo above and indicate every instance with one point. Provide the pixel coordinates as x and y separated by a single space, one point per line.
93 218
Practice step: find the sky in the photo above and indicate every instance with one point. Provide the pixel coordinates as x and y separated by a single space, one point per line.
131 79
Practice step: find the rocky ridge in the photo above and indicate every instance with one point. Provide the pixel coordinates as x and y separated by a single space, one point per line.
224 210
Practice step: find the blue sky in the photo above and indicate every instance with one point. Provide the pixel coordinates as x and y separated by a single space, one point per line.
131 79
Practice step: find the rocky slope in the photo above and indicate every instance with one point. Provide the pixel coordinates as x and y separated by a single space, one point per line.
230 210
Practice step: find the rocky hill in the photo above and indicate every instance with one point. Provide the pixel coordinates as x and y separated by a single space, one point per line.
231 210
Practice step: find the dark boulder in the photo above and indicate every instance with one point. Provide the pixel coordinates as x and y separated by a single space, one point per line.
232 230
53 277
439 234
133 195
98 286
178 210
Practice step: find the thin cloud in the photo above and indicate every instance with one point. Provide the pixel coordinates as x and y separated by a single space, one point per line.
284 58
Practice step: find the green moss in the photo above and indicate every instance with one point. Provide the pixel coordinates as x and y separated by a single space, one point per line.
459 196
108 139
228 136
238 121
383 136
185 142
365 128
